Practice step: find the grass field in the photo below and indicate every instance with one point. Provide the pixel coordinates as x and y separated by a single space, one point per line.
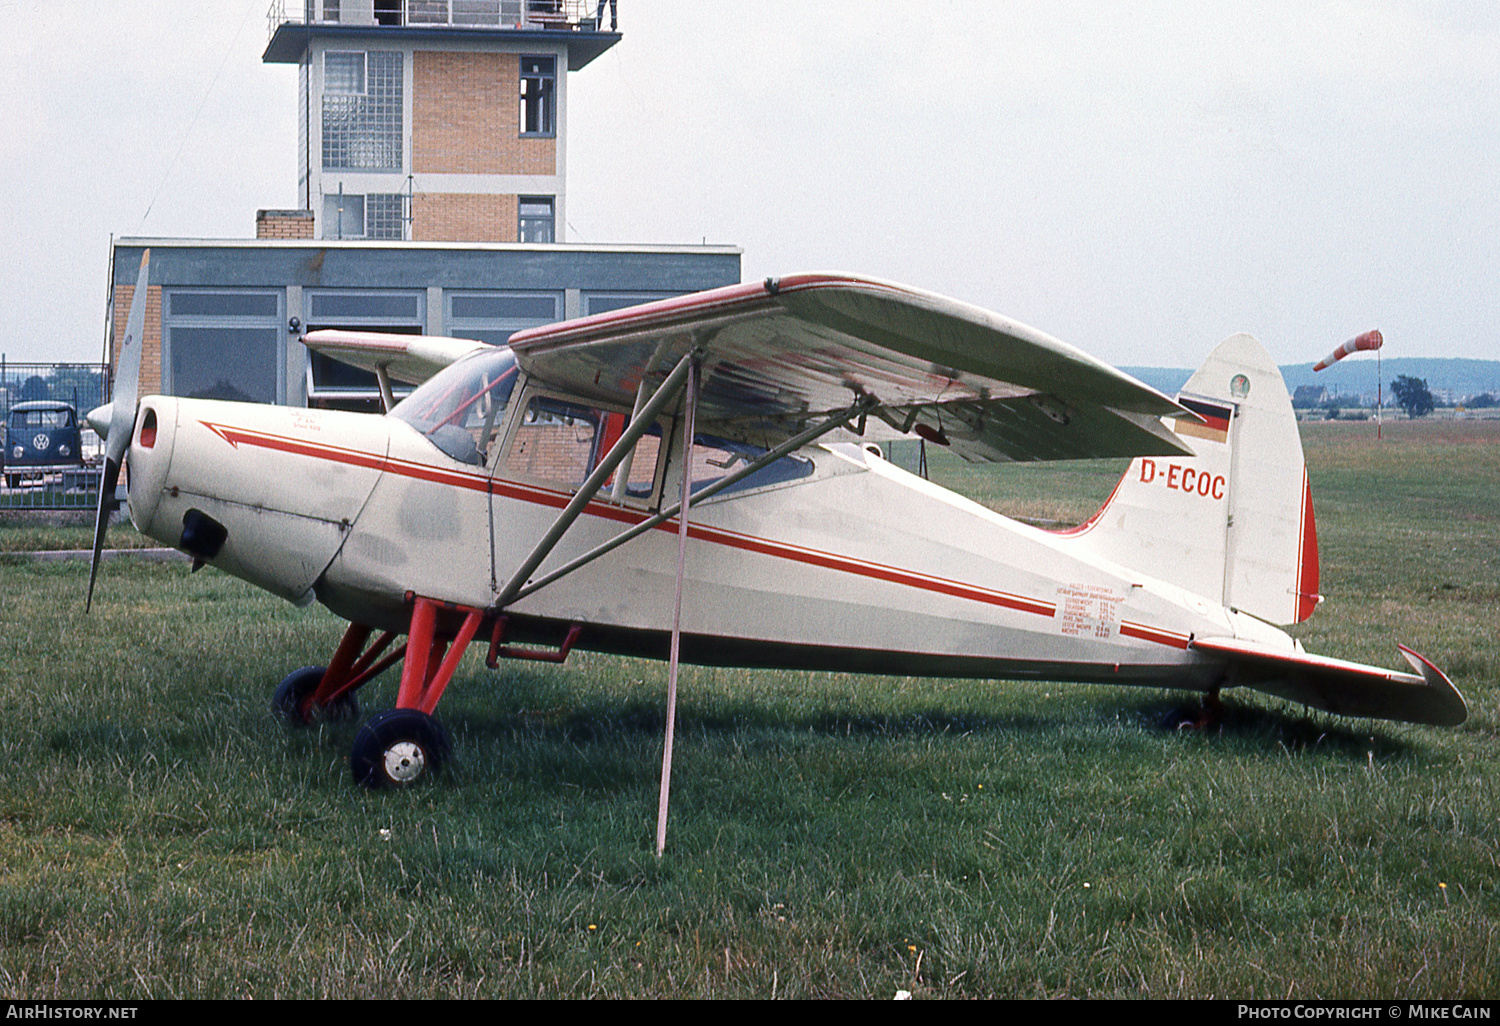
832 836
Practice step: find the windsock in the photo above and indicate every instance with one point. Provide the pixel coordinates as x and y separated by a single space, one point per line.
1369 340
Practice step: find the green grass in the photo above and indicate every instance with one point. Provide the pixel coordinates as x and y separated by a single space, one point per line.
39 531
831 835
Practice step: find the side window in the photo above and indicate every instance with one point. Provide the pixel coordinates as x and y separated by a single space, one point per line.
641 482
561 443
555 441
715 458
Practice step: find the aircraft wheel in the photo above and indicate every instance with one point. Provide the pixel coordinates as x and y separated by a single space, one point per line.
398 748
1207 716
1181 718
286 703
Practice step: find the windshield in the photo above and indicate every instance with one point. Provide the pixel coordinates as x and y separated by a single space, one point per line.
41 418
460 408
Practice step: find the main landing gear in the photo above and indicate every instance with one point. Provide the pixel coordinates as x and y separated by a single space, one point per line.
404 745
397 748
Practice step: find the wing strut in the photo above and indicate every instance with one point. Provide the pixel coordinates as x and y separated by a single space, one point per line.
813 433
387 396
590 487
689 415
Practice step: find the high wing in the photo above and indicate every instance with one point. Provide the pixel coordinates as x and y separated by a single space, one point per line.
780 353
409 358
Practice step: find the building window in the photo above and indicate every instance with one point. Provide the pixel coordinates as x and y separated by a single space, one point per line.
344 73
387 12
369 311
343 216
604 302
538 92
331 384
362 121
224 345
385 216
380 215
536 219
494 317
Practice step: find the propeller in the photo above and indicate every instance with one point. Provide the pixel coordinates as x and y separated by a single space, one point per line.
119 416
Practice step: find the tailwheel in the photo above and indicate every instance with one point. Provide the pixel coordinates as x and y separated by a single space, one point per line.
292 701
398 748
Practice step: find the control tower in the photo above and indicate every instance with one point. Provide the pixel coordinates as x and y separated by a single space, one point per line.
433 199
433 120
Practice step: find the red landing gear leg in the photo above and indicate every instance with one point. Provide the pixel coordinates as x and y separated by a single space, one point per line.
314 690
403 745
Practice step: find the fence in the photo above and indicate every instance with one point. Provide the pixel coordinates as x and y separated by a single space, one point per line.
575 15
82 386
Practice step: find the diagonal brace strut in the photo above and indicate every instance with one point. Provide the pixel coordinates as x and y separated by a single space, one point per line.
590 487
770 456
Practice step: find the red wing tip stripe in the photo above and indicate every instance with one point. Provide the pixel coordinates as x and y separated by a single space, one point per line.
1160 637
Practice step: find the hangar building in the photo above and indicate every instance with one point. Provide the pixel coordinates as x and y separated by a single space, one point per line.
432 175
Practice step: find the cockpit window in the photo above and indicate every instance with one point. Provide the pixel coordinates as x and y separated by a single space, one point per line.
715 458
460 409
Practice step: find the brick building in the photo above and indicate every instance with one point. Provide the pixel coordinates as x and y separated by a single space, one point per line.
432 157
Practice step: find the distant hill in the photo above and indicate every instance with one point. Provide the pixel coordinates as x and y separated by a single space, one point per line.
1451 380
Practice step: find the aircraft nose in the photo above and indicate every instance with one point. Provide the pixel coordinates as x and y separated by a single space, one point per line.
150 462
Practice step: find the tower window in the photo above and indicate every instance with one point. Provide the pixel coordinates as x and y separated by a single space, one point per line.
344 73
537 219
538 91
343 216
362 111
385 216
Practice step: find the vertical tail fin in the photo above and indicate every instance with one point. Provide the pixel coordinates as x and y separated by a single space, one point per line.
1235 522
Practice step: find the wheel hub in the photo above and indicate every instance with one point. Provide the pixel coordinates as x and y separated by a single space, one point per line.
404 762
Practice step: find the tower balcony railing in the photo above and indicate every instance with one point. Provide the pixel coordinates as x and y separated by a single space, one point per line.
565 15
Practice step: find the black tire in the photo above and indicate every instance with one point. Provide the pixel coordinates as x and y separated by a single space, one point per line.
287 702
1183 717
398 748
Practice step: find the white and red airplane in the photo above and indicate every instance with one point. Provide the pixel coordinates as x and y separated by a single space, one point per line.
532 494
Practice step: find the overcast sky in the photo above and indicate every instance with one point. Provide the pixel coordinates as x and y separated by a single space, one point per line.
1138 179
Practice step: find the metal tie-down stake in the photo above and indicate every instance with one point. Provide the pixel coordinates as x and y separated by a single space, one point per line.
689 416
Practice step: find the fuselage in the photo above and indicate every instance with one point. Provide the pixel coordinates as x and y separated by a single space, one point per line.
850 563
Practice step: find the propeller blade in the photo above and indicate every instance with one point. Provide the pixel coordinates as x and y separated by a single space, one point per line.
107 506
121 418
128 371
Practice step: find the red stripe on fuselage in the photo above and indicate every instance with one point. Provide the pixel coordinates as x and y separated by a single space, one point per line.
557 500
1169 638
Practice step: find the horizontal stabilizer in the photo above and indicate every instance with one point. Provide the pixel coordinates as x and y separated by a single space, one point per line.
1345 688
